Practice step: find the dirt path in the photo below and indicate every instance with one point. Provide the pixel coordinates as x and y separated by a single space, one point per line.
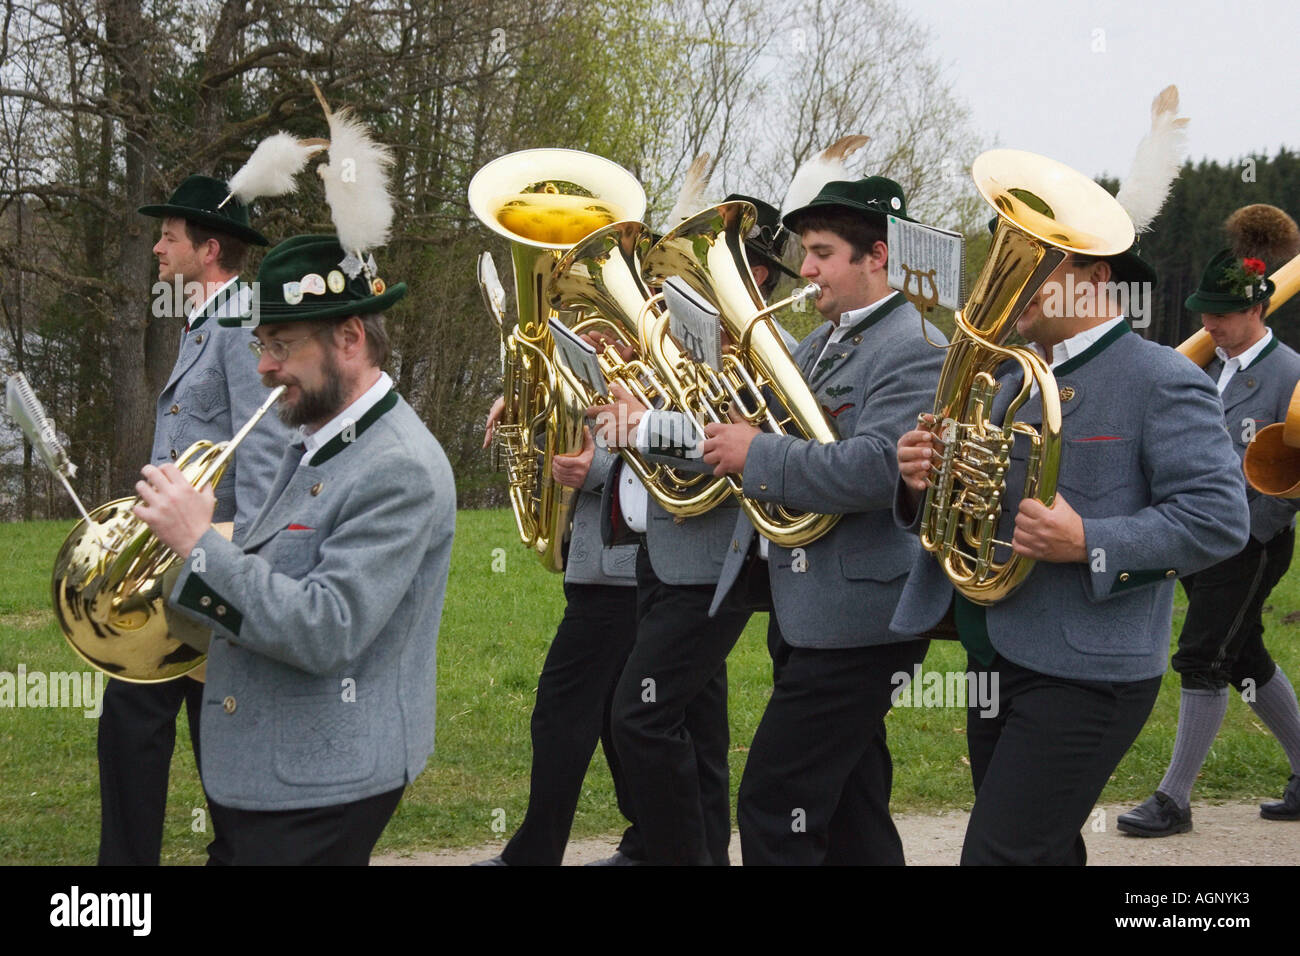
1228 835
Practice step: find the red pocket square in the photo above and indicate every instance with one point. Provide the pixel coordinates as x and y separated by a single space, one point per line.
300 527
1102 438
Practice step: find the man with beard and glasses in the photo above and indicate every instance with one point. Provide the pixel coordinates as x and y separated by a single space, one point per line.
320 689
212 390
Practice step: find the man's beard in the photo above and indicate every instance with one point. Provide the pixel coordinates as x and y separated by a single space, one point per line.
316 405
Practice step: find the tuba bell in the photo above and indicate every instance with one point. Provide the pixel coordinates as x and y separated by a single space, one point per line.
543 201
758 381
1045 211
112 577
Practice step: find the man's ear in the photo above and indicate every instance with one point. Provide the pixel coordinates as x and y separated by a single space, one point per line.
880 253
1102 272
211 252
351 335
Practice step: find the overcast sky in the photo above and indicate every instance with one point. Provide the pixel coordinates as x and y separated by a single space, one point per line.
1074 80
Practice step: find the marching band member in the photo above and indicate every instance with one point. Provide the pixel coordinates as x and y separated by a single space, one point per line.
1221 642
586 656
817 781
1076 653
670 706
213 388
320 685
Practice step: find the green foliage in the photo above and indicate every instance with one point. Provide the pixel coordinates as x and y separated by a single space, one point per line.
496 629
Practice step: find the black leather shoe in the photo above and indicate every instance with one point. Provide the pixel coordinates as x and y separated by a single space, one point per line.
618 859
1288 808
495 861
1158 816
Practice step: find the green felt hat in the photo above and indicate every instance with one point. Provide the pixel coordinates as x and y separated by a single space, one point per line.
766 242
303 279
874 196
199 200
1230 284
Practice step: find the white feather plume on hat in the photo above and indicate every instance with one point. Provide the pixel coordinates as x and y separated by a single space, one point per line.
356 183
273 167
690 199
828 166
1156 165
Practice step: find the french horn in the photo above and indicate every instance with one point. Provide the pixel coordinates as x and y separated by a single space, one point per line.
112 577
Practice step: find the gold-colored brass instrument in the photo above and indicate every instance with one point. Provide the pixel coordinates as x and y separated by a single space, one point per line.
112 577
543 201
600 276
1045 211
758 381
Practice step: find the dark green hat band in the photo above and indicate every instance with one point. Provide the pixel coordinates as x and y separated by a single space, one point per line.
200 199
303 280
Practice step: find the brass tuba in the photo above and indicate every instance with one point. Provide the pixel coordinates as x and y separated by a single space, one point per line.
112 577
758 380
600 277
1045 211
543 201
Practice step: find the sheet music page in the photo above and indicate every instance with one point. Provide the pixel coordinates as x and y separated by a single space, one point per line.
578 357
693 323
926 262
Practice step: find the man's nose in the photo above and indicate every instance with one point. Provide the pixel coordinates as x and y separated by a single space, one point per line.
266 363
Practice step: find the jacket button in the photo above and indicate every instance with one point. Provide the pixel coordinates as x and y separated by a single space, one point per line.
175 409
1171 574
221 610
205 601
198 339
857 340
173 454
735 545
1123 576
678 519
228 705
315 489
1250 383
762 487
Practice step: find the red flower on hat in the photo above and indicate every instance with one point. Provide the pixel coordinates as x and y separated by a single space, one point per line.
1254 265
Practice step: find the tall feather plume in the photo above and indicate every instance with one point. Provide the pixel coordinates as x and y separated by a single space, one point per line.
1263 232
272 168
690 199
356 183
1155 167
826 167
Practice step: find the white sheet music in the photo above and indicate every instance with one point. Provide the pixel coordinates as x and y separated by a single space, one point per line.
926 262
578 356
694 323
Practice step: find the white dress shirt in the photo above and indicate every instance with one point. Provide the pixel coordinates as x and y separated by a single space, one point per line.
1073 346
1231 366
344 419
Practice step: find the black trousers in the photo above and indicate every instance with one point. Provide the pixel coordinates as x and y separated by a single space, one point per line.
340 835
669 721
1040 761
817 782
571 714
137 734
1222 640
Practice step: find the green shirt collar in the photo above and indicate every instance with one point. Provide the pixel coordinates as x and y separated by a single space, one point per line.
1083 358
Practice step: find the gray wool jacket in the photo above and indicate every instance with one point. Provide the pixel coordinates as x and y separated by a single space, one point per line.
321 670
1149 467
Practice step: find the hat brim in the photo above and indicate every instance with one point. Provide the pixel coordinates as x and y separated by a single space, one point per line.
206 219
791 219
276 314
1221 303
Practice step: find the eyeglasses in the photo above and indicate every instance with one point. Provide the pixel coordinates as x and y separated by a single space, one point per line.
279 349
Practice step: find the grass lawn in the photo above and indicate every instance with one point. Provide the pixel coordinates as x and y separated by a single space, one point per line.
495 631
